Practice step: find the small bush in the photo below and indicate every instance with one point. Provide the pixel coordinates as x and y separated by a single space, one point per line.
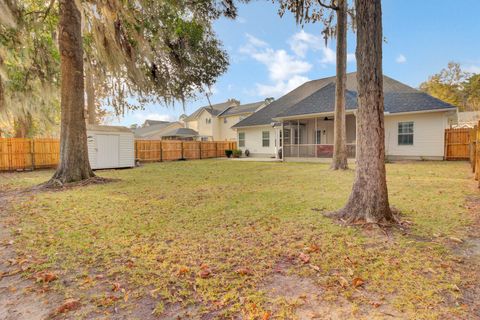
228 153
237 153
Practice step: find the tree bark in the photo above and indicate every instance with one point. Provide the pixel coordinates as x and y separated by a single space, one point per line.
74 165
91 108
368 201
339 160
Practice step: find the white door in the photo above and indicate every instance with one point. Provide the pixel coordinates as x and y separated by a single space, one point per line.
107 151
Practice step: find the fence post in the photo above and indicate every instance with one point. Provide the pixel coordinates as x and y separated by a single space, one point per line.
161 151
32 152
181 145
200 148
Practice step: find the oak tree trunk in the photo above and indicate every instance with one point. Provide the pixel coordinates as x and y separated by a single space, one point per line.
339 160
74 165
90 90
368 201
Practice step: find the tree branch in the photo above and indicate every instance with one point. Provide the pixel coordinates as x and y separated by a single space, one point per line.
328 6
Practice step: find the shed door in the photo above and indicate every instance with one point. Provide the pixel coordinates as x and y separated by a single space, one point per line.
107 151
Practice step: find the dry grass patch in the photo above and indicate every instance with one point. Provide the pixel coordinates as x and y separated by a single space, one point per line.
205 238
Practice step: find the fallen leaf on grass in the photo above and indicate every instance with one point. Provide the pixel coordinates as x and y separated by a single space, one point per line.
305 258
183 271
343 282
375 304
266 315
45 277
314 267
455 239
357 282
244 271
313 247
205 273
68 305
116 286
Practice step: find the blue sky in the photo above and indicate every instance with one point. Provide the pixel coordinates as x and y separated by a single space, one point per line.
270 56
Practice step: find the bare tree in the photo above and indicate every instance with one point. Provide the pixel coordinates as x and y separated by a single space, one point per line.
369 198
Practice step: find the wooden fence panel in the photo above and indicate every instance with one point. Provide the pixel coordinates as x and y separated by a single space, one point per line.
171 150
457 144
209 149
46 153
21 154
148 150
5 154
224 145
191 150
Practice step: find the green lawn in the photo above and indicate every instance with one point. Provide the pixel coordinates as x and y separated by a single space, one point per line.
208 235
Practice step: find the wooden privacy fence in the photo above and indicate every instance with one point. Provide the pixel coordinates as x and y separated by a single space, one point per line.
457 144
29 154
167 150
21 154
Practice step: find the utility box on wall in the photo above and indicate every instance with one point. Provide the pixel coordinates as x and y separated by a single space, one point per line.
110 147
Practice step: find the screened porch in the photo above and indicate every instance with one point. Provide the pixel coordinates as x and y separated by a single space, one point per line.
313 137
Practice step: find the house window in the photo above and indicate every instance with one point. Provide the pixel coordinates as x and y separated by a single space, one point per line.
265 138
208 120
405 133
318 137
241 139
286 136
225 120
204 138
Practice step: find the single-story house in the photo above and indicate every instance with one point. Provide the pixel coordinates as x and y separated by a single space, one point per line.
185 134
300 123
155 130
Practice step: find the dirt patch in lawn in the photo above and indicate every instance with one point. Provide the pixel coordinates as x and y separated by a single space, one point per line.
301 297
20 298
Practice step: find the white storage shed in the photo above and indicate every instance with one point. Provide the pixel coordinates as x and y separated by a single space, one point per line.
110 147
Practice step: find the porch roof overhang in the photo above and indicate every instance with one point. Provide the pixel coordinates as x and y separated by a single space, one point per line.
311 115
354 111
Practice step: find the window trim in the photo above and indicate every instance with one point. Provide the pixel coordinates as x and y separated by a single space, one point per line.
267 140
241 142
405 134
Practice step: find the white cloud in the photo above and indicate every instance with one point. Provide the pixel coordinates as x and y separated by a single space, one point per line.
281 66
284 70
401 59
472 69
301 42
280 87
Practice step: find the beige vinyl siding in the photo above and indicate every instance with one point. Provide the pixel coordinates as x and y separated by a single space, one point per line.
253 141
428 135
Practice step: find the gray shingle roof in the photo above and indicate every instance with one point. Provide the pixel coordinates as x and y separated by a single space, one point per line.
214 109
151 129
318 96
243 108
265 115
149 122
181 132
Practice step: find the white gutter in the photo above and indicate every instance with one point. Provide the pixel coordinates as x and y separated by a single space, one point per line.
354 111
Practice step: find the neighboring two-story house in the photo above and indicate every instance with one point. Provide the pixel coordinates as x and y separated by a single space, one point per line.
214 122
